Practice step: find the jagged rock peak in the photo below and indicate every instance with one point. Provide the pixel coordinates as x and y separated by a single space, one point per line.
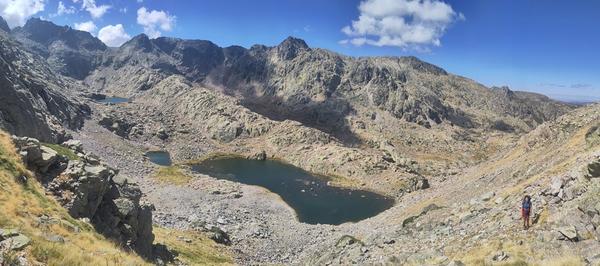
421 65
505 90
295 42
290 47
46 32
4 25
141 42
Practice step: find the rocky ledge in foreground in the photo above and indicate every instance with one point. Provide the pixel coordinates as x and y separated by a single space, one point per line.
90 189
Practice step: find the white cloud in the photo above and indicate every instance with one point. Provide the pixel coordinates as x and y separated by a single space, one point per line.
413 24
88 26
123 10
95 10
113 35
62 9
17 12
155 21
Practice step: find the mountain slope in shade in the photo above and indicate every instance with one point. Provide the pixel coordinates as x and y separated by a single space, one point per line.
35 101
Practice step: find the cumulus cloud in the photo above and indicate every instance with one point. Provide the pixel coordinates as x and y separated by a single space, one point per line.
96 11
113 35
155 21
88 26
62 9
17 12
414 24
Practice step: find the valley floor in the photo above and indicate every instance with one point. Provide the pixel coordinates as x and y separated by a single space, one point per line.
472 216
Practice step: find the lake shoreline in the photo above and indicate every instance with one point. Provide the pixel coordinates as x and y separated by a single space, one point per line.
314 200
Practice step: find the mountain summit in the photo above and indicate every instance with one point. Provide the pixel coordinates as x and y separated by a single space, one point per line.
289 48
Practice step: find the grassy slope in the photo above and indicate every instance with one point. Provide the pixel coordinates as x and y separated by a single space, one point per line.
192 247
565 148
526 165
22 204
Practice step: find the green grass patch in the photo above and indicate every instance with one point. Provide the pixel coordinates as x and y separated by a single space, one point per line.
64 151
42 199
8 163
200 251
173 175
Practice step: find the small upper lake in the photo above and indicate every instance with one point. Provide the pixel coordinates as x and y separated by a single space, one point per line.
114 100
314 201
159 157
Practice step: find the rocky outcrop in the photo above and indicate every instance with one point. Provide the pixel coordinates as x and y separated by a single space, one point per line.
40 159
12 242
87 188
11 239
123 217
117 125
593 169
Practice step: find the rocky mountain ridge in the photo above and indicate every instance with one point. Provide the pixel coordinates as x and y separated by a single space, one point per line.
289 81
317 87
70 52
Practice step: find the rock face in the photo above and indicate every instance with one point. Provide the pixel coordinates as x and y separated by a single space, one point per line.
87 188
3 25
123 217
33 102
593 169
39 158
72 53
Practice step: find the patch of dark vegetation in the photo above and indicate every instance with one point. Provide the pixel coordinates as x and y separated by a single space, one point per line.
500 125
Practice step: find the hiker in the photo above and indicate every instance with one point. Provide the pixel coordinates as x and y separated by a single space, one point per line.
525 211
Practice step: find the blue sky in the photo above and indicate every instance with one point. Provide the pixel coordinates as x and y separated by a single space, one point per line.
543 46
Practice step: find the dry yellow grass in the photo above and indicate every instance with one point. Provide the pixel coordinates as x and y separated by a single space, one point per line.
172 175
575 145
192 247
567 260
519 254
